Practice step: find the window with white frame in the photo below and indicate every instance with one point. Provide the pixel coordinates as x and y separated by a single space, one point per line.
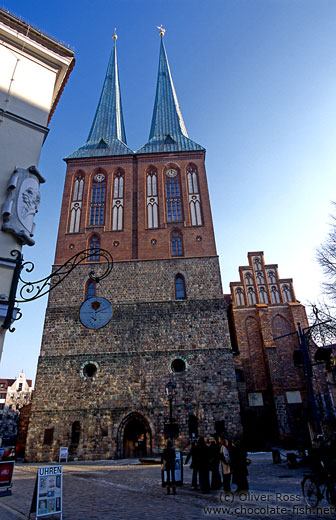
263 295
152 199
76 204
251 295
240 296
275 294
194 196
286 293
118 201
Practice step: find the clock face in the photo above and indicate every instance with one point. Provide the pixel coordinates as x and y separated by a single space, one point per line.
171 173
95 312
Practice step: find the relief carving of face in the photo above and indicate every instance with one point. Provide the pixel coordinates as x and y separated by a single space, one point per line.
28 202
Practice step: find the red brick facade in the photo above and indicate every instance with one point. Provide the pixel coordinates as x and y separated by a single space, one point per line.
136 239
272 390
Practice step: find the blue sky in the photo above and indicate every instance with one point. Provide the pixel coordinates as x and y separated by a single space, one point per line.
256 82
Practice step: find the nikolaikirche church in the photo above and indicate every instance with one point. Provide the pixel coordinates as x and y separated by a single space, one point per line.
102 376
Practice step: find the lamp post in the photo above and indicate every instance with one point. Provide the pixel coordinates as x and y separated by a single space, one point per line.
170 387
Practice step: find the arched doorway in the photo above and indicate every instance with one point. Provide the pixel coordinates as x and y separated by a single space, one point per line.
136 436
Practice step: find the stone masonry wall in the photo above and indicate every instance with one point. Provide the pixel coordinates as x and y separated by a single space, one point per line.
133 354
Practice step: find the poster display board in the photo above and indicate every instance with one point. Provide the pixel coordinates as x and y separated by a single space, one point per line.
47 499
63 454
178 470
6 476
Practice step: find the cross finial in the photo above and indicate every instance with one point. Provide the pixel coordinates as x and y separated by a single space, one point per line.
161 29
115 36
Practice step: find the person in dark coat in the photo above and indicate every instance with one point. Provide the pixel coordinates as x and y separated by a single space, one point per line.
239 471
168 457
193 455
216 481
203 457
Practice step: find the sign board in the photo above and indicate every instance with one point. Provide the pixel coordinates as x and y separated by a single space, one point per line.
47 499
63 454
178 470
6 475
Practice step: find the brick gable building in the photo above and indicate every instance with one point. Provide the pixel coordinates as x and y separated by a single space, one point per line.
273 391
101 389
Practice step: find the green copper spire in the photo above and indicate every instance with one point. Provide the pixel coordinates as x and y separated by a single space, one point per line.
168 132
107 135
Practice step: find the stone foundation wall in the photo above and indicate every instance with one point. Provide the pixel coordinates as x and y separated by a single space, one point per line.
133 356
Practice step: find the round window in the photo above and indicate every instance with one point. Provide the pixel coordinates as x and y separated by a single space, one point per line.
89 370
178 365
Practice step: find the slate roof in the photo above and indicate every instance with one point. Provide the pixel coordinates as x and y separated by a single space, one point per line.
107 135
168 132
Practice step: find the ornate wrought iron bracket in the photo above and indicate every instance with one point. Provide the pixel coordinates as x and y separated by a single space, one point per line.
31 291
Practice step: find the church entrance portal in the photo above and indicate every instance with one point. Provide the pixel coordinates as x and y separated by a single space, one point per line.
136 437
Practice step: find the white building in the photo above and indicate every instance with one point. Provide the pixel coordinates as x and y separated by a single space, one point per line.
34 70
14 394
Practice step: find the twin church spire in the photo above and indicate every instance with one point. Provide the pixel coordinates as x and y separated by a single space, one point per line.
107 135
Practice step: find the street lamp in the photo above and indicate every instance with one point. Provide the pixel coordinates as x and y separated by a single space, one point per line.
170 387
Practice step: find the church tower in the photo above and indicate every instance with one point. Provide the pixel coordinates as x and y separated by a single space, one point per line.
101 390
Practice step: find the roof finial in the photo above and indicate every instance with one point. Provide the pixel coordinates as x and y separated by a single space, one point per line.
161 29
115 36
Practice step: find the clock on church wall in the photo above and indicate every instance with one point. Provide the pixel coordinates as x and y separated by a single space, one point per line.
95 312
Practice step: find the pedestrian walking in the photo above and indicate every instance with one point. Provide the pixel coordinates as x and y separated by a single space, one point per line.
193 455
238 456
168 465
216 481
224 456
203 457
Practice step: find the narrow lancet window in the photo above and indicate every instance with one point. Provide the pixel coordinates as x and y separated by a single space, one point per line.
263 295
286 293
94 247
97 206
275 294
194 196
251 296
176 244
173 196
90 289
118 202
152 199
240 297
180 292
76 204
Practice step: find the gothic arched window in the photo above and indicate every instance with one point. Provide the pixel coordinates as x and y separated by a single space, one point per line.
173 196
248 279
76 204
97 204
90 289
251 296
94 246
240 296
260 278
271 277
152 199
275 294
257 263
263 295
118 201
194 196
75 432
180 292
176 244
286 293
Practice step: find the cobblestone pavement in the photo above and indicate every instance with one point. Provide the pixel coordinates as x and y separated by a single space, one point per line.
121 490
